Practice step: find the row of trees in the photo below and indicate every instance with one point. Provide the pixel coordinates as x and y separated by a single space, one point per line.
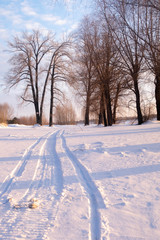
112 55
64 114
38 63
115 52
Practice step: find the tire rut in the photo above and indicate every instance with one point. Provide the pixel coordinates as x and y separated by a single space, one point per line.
95 199
18 170
46 185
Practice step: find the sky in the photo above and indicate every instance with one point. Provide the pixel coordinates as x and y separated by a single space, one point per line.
61 17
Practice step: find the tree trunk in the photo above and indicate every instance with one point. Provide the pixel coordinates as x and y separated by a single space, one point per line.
51 107
52 95
35 100
102 114
116 102
157 96
36 106
86 121
104 118
100 120
86 117
108 106
43 96
138 107
38 115
38 119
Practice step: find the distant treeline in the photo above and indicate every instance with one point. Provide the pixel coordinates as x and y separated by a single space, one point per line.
63 115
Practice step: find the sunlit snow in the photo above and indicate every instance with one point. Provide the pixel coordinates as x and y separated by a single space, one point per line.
80 183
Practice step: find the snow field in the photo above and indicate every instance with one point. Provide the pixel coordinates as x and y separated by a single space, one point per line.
89 183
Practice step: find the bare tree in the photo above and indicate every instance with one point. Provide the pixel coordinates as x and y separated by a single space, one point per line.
97 76
65 114
29 63
104 60
151 36
147 33
59 72
130 47
83 72
6 112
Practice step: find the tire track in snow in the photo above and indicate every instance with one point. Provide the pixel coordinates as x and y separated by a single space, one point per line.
50 167
47 183
94 196
41 161
10 217
18 170
55 169
57 177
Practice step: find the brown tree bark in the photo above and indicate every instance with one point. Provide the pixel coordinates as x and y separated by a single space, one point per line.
138 107
115 104
51 97
157 96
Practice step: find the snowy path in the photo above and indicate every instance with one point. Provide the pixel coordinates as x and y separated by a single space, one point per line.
95 198
40 165
89 183
18 170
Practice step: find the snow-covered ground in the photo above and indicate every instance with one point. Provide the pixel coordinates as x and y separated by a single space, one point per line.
87 183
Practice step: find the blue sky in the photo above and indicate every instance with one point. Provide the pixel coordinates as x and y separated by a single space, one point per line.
60 16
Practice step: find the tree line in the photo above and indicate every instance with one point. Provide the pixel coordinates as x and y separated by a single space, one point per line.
63 115
118 51
114 54
6 112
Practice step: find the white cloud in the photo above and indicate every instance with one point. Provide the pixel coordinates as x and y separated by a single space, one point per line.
54 19
49 18
27 10
33 25
61 22
4 12
16 19
10 15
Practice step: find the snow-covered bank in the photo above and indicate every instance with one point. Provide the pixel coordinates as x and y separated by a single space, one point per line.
90 183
